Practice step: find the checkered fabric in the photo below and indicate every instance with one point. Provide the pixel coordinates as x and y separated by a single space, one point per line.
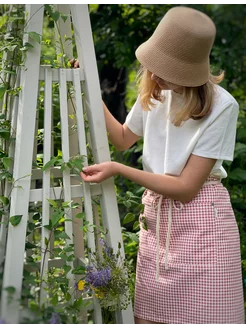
203 282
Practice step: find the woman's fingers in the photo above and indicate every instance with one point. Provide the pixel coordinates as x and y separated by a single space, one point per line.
74 63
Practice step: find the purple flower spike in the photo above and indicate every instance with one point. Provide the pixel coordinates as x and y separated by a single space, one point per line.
98 278
108 251
102 242
55 318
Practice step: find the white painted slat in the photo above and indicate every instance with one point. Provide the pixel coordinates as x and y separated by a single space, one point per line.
55 74
87 58
66 156
33 183
5 218
64 37
14 262
45 233
37 174
86 186
83 151
56 192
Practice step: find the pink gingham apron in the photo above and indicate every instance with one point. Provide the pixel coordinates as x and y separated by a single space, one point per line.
189 262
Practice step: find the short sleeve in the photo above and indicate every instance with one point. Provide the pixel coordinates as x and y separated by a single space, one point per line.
134 119
218 139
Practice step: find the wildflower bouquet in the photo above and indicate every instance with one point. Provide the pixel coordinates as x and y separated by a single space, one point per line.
107 278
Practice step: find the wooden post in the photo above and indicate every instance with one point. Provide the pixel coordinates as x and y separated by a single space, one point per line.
15 251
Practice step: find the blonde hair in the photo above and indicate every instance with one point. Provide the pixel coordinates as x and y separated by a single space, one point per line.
197 101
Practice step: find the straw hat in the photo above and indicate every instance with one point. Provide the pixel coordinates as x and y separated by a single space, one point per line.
178 51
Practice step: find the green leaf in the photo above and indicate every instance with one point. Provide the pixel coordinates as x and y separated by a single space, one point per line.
49 164
80 215
64 166
78 163
59 153
36 216
26 46
129 194
7 162
48 227
144 224
128 218
56 218
4 133
55 15
4 200
3 89
35 36
53 203
135 225
67 297
68 249
46 241
10 289
15 220
68 220
75 205
132 236
66 204
79 270
61 235
5 175
127 203
3 20
70 258
63 288
54 300
78 303
63 256
30 245
67 268
48 8
64 17
31 226
140 208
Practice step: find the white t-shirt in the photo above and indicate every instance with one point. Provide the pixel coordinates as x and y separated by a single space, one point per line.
167 147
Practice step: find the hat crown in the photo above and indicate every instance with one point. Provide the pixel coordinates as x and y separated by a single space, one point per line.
185 34
178 50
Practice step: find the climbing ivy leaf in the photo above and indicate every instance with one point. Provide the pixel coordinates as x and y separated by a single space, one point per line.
15 220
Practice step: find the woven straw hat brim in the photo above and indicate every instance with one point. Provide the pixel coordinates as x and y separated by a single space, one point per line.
171 69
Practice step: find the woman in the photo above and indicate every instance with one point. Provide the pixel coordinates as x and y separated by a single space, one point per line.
189 266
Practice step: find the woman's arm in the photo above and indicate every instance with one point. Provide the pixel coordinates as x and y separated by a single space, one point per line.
183 188
119 135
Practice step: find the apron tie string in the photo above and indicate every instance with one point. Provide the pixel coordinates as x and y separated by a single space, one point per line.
170 210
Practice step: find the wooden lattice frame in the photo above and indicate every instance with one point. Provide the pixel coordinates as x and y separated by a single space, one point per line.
25 148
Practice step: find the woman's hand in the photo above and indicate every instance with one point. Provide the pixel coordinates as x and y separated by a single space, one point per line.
99 172
74 63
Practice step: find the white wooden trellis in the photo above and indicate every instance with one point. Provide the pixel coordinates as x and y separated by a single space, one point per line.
26 193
